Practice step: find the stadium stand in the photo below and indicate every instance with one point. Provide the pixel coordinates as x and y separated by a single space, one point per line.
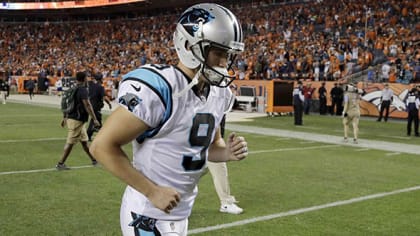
311 40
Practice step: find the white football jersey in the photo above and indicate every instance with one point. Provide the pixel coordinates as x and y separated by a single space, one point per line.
173 152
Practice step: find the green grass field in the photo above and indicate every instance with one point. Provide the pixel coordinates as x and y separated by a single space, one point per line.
286 186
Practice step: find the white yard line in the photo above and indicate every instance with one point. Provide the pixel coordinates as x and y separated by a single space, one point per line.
396 137
30 140
41 170
308 127
392 154
30 115
301 210
282 139
293 149
307 142
362 149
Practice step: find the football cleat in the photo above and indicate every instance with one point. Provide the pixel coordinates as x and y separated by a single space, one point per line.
231 208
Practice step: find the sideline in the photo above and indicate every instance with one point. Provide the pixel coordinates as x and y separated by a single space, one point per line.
324 138
302 210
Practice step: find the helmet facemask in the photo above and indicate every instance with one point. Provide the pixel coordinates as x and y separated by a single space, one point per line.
215 75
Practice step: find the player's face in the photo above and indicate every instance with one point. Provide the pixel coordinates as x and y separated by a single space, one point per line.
217 57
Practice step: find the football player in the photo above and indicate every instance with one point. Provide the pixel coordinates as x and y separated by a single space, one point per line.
172 115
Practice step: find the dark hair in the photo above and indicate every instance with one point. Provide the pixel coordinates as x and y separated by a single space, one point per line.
81 76
97 76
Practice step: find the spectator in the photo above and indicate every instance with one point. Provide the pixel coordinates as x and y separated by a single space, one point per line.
288 36
308 92
371 74
385 71
59 86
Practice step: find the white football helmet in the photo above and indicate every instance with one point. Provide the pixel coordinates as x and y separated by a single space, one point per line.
352 88
203 26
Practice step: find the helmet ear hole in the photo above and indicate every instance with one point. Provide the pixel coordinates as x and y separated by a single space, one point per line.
187 45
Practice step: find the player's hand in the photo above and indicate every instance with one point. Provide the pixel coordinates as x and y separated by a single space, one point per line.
238 147
165 198
63 122
96 123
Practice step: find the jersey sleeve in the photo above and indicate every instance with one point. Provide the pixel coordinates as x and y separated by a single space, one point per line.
147 95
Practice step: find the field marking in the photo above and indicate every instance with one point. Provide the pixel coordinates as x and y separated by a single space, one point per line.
293 149
392 154
362 149
307 142
31 140
281 139
396 137
41 170
301 210
323 138
30 115
308 127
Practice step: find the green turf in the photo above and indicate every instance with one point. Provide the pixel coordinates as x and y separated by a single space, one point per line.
278 176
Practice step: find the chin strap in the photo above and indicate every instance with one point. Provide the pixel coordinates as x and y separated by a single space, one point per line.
193 82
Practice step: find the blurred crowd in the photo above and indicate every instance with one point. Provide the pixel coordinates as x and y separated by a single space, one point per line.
313 40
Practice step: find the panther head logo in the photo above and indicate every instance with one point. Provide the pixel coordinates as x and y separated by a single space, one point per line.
130 100
192 18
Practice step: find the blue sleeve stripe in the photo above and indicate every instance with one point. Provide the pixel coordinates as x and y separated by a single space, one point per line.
157 83
154 81
160 86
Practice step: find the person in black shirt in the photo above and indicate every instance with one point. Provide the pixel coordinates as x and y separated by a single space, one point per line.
337 95
298 100
413 106
322 91
76 120
30 86
97 98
